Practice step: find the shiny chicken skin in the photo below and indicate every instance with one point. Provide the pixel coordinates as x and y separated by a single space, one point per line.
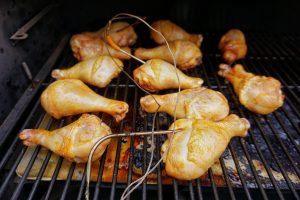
86 46
187 54
158 74
74 141
120 32
233 45
196 103
172 32
70 97
260 94
98 71
199 144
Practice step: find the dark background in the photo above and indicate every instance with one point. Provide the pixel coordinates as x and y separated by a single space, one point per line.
76 16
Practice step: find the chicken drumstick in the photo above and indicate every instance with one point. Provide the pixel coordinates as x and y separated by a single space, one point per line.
259 94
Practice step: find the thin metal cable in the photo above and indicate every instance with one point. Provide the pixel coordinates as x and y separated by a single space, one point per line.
131 187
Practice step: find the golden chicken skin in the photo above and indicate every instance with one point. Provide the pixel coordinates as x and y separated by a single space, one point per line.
196 103
70 97
74 141
199 144
172 32
260 94
120 32
157 74
233 45
187 54
98 71
85 47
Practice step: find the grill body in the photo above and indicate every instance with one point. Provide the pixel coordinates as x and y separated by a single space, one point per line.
264 165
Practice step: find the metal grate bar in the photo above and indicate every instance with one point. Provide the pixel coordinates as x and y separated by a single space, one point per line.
287 131
288 89
13 168
83 180
210 171
244 148
212 182
11 148
276 159
238 167
284 128
158 169
267 167
40 175
267 51
82 184
144 185
116 165
99 178
175 188
233 154
286 98
102 160
26 172
292 43
199 190
67 184
191 190
11 172
263 134
283 146
232 196
242 141
53 179
28 168
130 161
242 144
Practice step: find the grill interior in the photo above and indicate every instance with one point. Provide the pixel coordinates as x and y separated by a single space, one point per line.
263 165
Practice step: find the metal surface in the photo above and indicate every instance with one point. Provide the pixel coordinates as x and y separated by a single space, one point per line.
21 33
264 165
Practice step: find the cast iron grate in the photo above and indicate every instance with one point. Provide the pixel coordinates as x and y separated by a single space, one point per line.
263 165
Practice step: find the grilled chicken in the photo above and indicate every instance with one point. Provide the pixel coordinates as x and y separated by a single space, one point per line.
197 103
187 54
69 97
120 32
98 71
158 74
199 144
173 32
74 141
260 94
233 46
85 46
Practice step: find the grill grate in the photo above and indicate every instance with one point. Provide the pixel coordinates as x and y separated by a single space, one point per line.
263 165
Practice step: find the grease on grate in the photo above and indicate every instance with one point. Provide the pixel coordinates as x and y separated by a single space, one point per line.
138 164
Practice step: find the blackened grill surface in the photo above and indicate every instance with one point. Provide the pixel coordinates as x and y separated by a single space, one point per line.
263 165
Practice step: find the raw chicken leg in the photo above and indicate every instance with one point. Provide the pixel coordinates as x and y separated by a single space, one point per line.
158 74
70 97
173 32
85 47
197 103
199 144
74 141
121 33
233 46
187 54
259 94
98 71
